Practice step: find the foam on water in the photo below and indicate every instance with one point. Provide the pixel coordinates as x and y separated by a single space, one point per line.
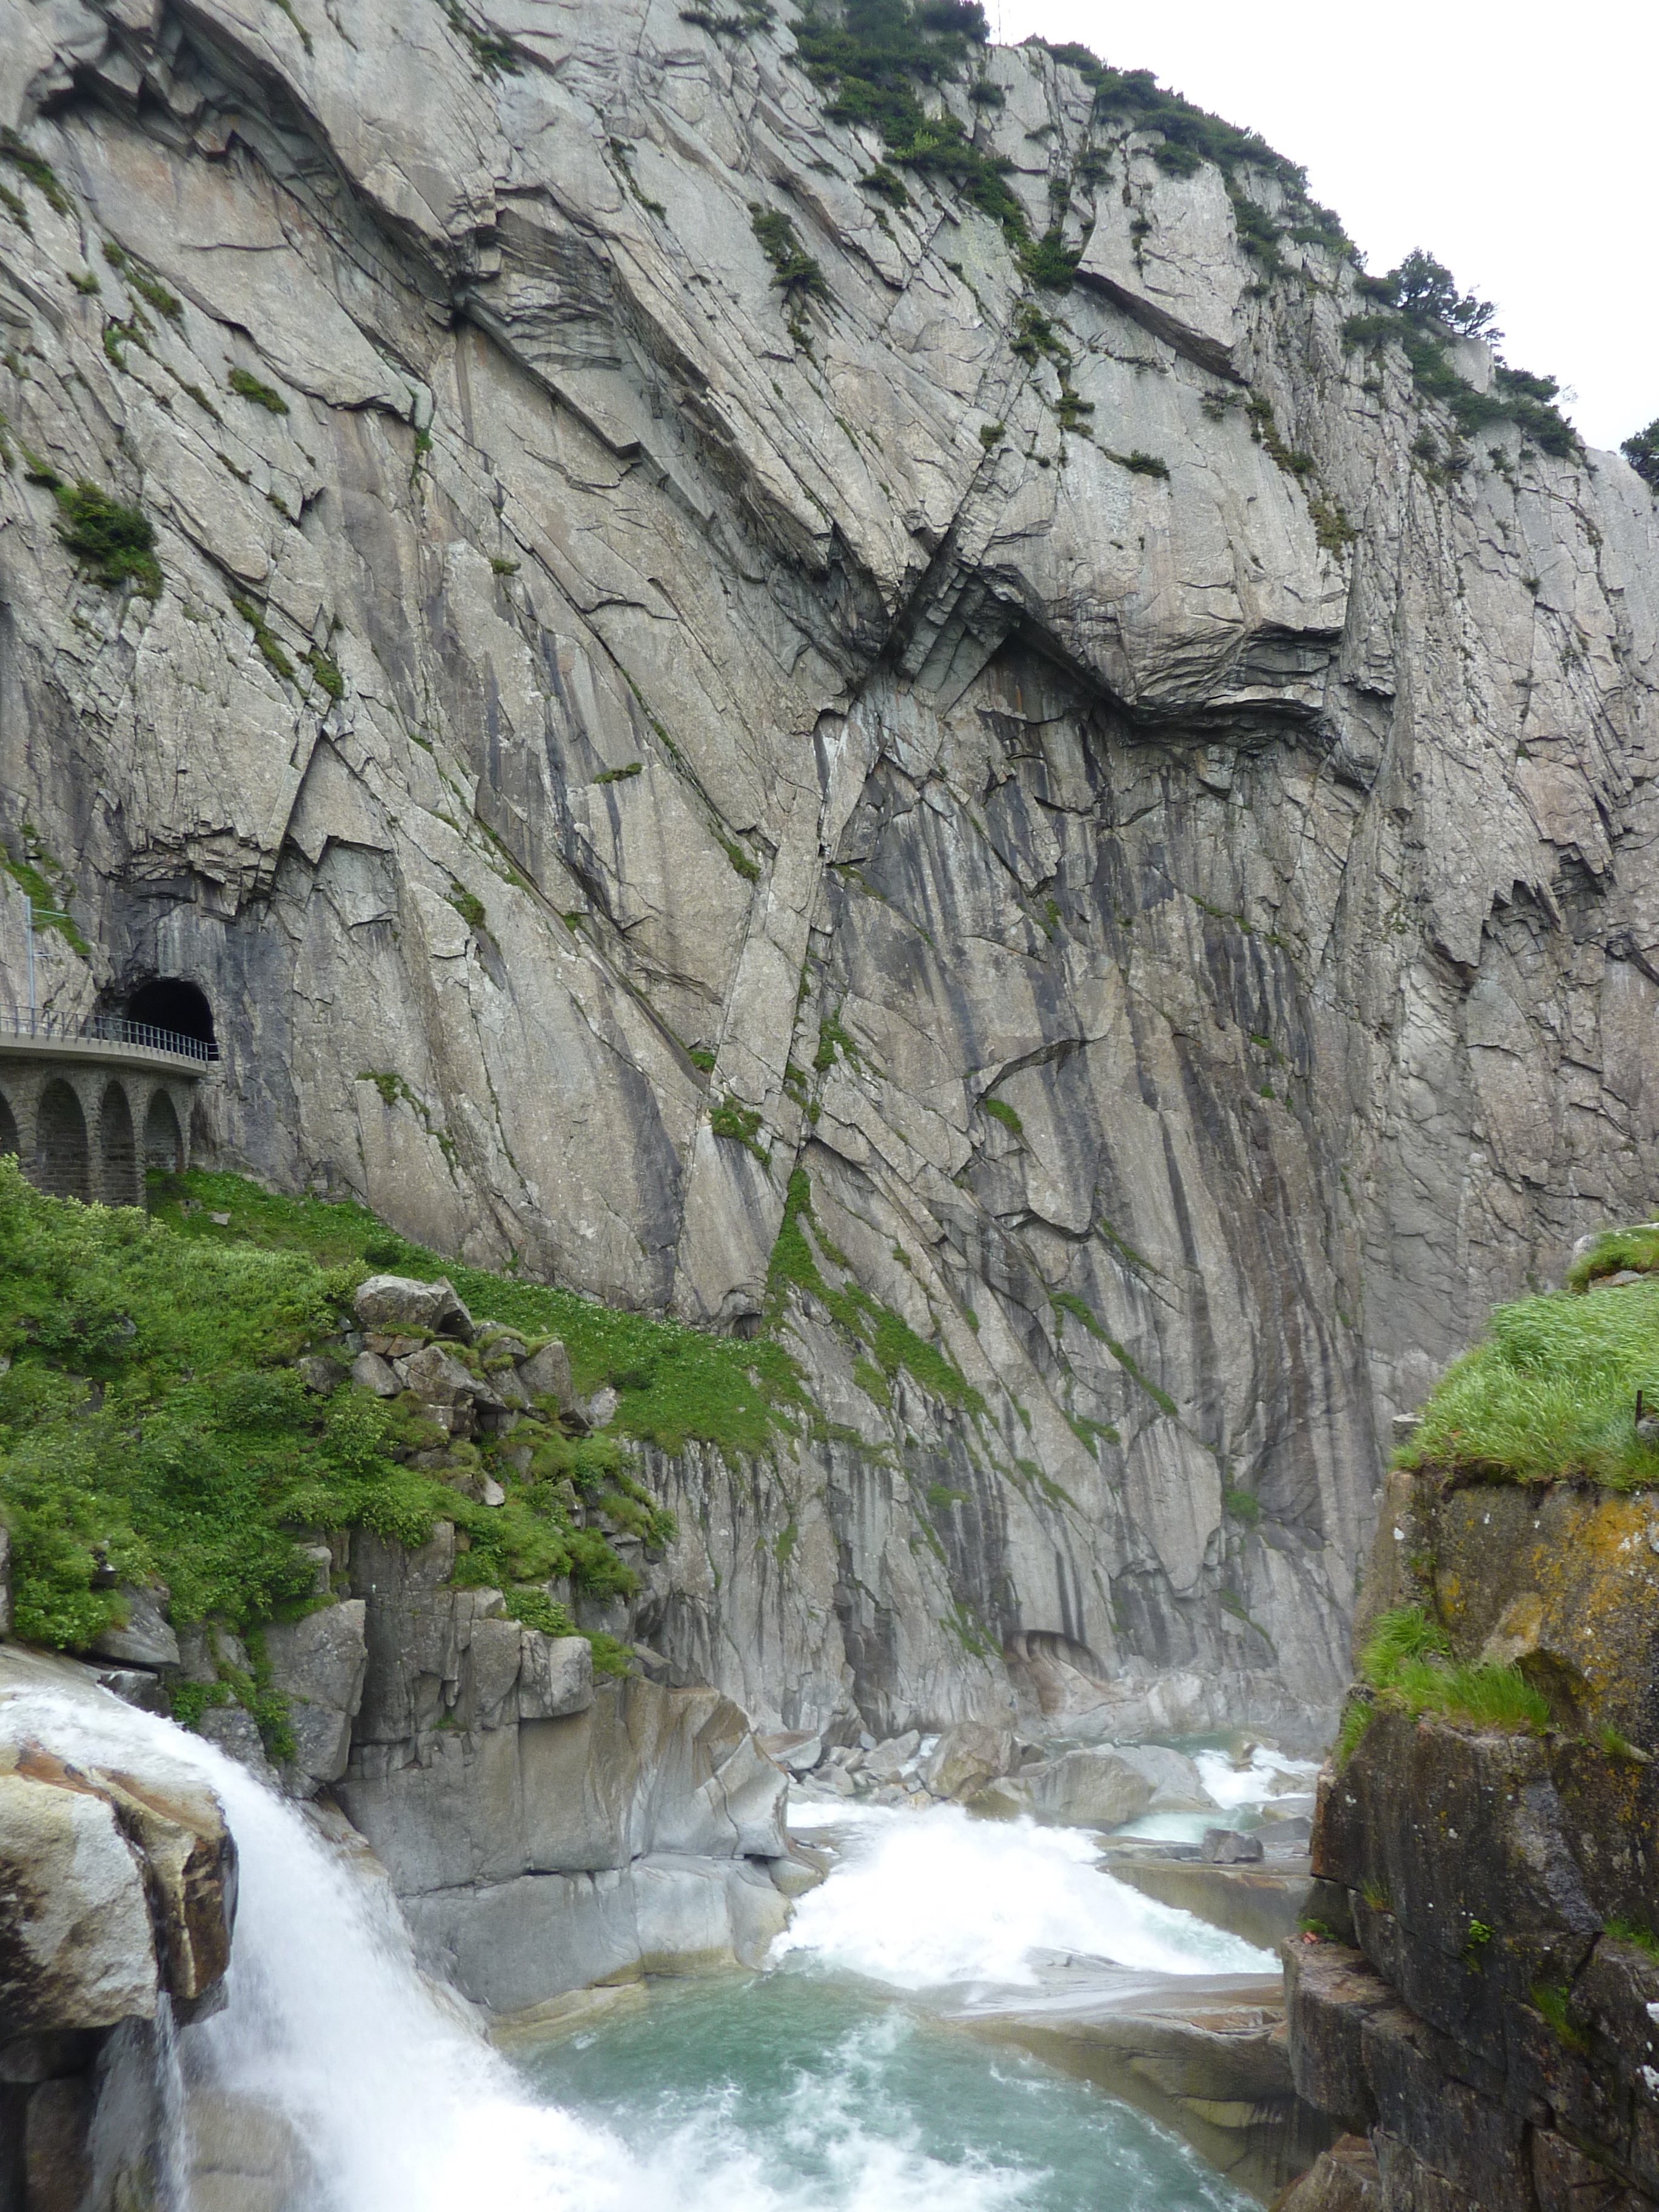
403 2108
1265 1778
400 2107
925 1899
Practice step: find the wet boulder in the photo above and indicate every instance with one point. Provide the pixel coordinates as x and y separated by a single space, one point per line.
968 1755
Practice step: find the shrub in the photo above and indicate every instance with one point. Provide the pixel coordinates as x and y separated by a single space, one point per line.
1049 262
117 543
796 274
869 55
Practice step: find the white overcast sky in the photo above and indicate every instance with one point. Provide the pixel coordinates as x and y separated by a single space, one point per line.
1519 143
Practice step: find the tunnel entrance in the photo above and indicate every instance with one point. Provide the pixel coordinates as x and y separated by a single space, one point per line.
172 1004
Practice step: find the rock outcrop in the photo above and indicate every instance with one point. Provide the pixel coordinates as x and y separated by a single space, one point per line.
541 1831
1102 784
1484 2009
117 1899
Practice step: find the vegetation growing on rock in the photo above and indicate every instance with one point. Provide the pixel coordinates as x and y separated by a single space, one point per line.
116 542
1551 1392
154 1427
1419 307
871 56
1641 449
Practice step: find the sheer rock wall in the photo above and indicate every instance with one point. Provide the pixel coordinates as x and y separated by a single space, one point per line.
700 689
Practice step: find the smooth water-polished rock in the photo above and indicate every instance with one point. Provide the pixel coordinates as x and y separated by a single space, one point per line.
76 1948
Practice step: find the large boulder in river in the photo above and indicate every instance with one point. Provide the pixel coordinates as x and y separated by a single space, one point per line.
393 1305
968 1755
1106 1784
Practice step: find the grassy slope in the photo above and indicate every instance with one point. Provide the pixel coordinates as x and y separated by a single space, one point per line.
152 1425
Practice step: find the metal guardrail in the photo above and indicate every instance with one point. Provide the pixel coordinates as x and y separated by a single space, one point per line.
104 1029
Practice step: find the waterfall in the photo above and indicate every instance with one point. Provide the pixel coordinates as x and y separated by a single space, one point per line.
397 2103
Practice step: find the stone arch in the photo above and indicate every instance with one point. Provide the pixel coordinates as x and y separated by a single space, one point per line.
62 1158
164 1142
9 1139
117 1150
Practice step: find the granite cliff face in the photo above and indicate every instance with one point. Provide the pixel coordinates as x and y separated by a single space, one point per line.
1101 783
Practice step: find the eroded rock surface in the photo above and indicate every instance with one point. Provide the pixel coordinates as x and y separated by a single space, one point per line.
1198 958
1485 2008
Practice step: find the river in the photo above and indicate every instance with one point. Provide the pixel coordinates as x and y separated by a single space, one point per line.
839 2080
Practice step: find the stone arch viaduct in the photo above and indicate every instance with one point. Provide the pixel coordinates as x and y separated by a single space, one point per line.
88 1106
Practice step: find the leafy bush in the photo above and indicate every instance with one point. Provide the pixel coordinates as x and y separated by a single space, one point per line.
1550 1394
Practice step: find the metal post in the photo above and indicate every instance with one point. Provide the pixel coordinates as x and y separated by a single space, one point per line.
48 914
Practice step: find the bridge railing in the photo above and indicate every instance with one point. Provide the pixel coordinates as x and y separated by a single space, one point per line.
104 1029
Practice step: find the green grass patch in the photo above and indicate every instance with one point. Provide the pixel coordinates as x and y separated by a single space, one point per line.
1553 2001
1001 1110
264 637
739 1125
39 171
1406 1662
674 1385
1613 1252
1550 1394
1357 1716
249 386
1633 1931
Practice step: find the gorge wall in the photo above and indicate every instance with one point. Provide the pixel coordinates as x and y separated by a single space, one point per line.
1483 2012
1104 783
